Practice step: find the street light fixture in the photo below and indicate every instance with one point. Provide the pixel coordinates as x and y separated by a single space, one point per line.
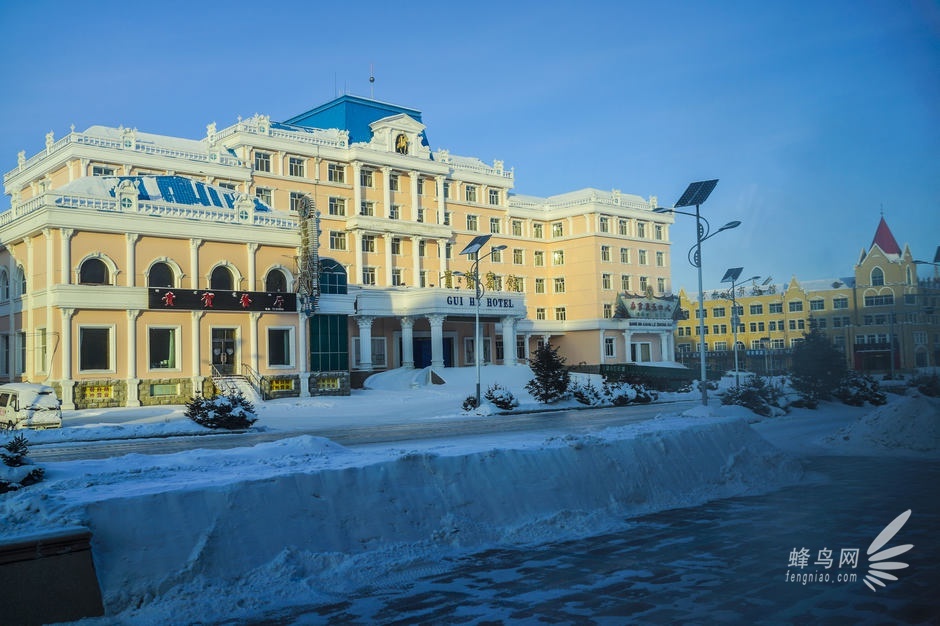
473 249
695 195
731 276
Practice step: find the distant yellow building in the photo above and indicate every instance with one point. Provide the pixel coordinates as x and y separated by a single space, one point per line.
304 255
884 318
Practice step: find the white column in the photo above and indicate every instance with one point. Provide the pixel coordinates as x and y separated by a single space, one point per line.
602 352
68 399
130 241
66 252
407 342
357 253
387 239
528 353
194 263
253 339
133 397
509 340
252 267
416 262
413 177
442 256
387 191
357 189
365 342
626 341
195 352
437 340
441 201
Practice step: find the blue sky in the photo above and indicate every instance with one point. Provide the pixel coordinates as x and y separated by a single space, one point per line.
814 116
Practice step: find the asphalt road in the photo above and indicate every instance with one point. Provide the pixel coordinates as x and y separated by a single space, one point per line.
564 421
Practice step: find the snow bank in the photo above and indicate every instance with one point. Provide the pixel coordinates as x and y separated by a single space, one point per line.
304 515
909 426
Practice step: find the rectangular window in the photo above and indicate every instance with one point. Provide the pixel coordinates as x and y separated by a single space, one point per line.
102 170
419 217
446 219
757 309
163 346
262 162
661 285
368 276
516 228
538 258
494 225
558 257
94 349
604 225
296 201
394 212
642 257
494 196
884 300
496 255
641 230
817 305
396 245
472 222
280 347
264 194
775 307
393 182
610 350
337 206
795 306
366 178
623 228
367 208
608 310
840 303
660 259
296 166
560 314
558 229
336 173
447 190
718 311
559 284
605 254
397 279
337 240
422 247
539 285
379 353
517 256
470 193
606 282
538 231
540 313
720 346
625 283
368 243
658 232
644 283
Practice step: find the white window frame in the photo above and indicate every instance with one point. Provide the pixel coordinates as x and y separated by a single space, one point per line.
178 351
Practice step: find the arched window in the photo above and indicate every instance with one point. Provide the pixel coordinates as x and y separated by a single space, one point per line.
877 277
161 275
332 277
910 276
221 278
20 281
275 282
93 272
4 286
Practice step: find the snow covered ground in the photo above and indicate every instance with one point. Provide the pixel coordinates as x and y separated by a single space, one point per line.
216 535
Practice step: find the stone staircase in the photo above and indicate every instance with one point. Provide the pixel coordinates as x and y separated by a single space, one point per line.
237 384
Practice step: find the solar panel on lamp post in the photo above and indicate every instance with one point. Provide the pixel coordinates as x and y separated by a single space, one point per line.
731 276
473 248
695 195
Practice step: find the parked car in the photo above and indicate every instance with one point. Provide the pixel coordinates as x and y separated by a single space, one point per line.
28 405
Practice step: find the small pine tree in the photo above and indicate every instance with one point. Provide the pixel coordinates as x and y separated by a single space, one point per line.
230 412
818 367
551 376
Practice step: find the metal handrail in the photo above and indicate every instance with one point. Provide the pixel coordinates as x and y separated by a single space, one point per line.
255 380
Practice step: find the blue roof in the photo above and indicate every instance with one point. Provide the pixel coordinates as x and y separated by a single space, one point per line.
352 114
175 189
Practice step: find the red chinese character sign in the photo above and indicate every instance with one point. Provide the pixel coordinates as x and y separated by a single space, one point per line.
218 300
646 307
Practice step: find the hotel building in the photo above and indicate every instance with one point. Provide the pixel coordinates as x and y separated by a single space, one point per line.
305 255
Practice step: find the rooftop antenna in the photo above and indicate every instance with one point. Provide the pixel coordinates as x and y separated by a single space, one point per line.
371 82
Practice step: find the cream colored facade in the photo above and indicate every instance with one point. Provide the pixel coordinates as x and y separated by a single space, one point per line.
393 213
884 317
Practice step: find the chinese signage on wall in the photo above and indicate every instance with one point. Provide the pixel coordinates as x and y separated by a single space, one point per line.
646 307
220 300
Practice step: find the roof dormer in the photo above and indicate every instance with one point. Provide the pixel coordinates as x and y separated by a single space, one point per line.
401 134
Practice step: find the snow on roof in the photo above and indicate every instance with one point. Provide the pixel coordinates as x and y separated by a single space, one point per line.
581 196
172 189
176 143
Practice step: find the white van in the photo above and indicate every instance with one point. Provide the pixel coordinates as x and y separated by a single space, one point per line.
27 405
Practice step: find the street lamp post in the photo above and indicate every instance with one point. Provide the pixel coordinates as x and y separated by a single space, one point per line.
695 194
473 249
731 276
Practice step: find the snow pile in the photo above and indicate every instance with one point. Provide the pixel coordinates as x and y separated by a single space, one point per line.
281 522
907 426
